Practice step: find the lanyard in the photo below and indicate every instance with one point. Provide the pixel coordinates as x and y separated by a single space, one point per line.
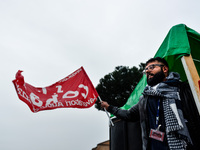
157 115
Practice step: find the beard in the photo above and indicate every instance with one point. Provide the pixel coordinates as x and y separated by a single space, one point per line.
157 78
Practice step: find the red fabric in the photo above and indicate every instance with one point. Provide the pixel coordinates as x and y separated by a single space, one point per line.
76 90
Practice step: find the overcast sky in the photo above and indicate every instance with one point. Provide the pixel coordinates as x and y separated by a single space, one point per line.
49 40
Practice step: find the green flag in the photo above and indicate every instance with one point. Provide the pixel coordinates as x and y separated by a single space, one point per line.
180 41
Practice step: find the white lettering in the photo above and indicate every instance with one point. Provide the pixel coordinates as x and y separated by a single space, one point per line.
36 100
80 103
60 104
25 95
85 88
59 89
44 90
52 100
22 93
70 94
70 76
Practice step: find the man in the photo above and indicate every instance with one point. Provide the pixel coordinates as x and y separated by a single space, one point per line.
159 110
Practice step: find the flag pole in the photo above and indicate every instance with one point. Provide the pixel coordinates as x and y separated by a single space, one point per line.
106 112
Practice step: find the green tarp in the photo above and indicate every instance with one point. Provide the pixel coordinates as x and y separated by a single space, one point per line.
180 41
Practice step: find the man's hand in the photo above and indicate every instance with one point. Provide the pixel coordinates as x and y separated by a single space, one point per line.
104 105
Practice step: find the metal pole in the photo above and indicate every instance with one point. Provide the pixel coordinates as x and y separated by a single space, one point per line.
106 112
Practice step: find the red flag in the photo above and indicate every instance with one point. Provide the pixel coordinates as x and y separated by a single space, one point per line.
75 90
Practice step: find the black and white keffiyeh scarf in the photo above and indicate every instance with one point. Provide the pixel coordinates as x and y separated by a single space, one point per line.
176 129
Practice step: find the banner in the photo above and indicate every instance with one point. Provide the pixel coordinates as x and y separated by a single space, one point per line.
75 91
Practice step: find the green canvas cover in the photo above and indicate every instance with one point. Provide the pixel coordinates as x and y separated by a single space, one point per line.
180 41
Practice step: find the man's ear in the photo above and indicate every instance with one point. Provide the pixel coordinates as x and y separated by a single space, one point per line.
165 69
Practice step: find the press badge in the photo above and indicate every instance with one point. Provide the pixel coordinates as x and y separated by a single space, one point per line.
157 135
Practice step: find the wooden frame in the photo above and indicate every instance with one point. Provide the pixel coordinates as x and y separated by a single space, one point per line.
193 78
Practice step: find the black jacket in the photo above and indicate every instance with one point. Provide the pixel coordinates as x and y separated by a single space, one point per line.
135 113
139 112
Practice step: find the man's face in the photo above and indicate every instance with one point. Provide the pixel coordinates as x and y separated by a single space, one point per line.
154 73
